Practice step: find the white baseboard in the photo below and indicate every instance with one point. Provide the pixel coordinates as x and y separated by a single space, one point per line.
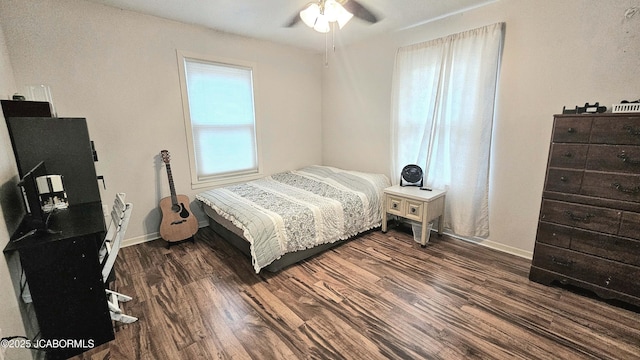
482 242
152 236
495 246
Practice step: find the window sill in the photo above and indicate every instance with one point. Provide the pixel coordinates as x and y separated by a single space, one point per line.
226 180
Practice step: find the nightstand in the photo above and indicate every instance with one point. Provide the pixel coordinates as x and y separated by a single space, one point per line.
412 203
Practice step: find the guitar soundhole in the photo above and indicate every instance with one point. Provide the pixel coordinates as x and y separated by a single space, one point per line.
184 213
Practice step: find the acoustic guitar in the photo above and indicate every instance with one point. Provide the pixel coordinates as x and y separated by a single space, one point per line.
178 223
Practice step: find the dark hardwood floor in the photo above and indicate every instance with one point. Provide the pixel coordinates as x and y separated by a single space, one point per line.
376 297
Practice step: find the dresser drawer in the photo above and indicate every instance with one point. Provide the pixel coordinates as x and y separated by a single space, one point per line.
611 186
602 245
568 156
618 130
564 180
606 246
554 234
581 216
630 225
601 272
614 158
572 129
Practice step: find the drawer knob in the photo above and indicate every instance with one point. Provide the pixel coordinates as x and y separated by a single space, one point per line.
395 206
585 219
563 178
627 190
627 160
567 154
571 130
631 130
413 210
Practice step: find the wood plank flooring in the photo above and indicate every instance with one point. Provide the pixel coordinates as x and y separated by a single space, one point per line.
379 296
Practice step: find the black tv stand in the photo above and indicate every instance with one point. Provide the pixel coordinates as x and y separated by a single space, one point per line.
65 277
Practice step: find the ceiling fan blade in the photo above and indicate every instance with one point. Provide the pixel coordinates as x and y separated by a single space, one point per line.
359 11
293 21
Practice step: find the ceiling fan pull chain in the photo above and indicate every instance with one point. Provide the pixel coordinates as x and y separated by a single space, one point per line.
333 36
326 50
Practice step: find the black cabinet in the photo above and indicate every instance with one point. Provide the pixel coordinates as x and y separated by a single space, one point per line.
65 279
64 146
61 266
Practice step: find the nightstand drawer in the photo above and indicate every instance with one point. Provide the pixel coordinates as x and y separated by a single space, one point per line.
414 210
395 205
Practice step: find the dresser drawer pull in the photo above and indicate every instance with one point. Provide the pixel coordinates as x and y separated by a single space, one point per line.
413 210
562 262
574 217
631 130
394 205
571 130
626 159
563 178
627 190
567 154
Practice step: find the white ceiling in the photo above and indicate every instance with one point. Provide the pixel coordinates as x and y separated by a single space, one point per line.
266 19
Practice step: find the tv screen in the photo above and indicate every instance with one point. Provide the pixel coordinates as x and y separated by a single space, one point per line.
35 215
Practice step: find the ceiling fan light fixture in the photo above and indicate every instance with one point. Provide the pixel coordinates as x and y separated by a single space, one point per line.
310 15
322 24
319 15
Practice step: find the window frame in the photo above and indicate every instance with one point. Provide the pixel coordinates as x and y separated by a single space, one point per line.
230 177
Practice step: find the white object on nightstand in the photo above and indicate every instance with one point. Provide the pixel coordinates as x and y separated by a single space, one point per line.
410 202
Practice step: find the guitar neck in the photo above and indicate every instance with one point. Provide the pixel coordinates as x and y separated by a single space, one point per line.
174 198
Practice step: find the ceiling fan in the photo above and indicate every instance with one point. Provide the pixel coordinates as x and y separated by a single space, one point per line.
320 14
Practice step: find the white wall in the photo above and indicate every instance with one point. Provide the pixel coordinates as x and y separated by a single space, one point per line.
10 212
119 70
556 53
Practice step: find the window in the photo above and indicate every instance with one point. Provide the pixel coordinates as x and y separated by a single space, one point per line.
442 118
219 111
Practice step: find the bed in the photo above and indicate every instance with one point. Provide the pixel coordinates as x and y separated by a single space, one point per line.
286 217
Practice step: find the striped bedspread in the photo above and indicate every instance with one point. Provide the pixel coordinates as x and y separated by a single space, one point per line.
300 209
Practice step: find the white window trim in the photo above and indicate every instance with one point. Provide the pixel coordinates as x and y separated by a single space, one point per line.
222 179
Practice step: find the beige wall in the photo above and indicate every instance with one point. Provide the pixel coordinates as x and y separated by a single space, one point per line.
119 70
10 212
556 53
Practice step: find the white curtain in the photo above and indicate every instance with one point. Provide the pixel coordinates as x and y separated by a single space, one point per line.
442 115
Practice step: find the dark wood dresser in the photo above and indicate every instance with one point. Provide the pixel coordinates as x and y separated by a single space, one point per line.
589 227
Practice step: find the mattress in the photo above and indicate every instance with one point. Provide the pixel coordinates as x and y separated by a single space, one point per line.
299 210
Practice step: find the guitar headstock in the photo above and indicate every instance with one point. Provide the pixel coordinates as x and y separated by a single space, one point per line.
165 156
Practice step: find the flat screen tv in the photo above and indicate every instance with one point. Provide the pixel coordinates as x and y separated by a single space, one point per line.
35 218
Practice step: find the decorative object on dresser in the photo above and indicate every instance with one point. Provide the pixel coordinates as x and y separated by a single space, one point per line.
589 229
178 222
626 106
595 108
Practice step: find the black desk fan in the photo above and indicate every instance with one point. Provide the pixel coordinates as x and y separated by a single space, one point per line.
411 175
